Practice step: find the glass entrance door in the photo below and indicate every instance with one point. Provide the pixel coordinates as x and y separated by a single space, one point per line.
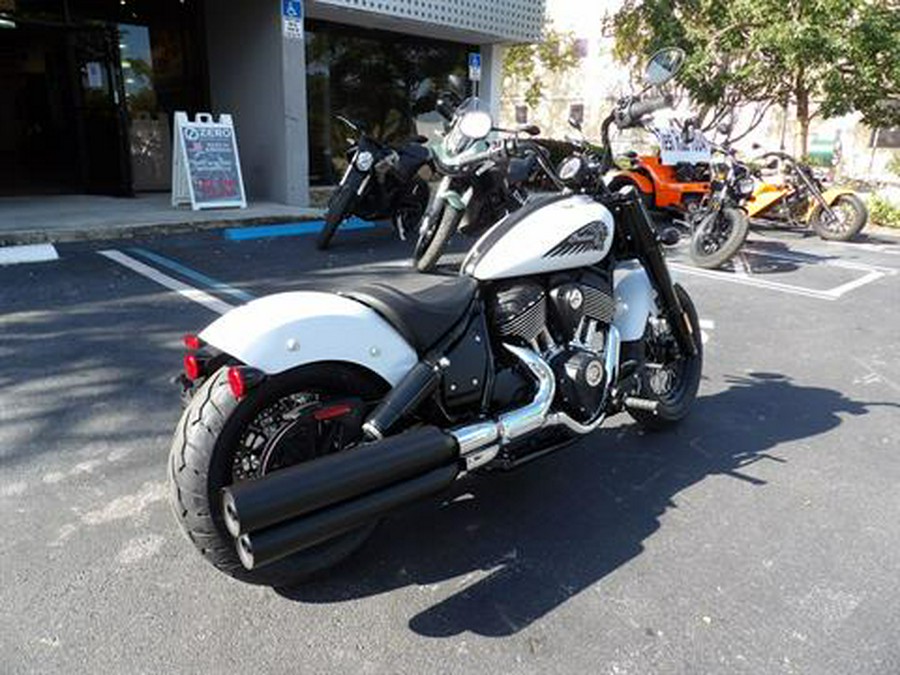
101 115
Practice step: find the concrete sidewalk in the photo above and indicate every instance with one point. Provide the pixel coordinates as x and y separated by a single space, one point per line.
60 218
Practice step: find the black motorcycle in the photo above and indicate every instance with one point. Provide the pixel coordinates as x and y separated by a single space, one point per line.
381 182
719 226
472 197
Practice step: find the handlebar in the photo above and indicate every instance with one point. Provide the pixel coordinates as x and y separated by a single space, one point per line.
631 114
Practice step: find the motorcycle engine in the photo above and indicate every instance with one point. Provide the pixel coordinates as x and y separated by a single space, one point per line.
567 325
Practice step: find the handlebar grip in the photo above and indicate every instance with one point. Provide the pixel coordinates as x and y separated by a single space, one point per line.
640 108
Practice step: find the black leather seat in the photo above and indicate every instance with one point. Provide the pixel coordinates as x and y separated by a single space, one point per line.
422 307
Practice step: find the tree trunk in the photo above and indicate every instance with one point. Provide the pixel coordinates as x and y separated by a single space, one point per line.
803 116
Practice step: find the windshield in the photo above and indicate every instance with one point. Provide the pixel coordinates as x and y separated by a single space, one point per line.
456 145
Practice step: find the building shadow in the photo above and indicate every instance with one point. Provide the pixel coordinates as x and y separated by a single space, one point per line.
516 546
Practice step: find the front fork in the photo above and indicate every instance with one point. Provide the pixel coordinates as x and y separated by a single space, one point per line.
817 196
633 215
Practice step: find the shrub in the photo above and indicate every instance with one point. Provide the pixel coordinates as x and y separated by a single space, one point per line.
894 164
883 213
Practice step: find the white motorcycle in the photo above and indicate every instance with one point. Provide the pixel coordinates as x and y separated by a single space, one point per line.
314 414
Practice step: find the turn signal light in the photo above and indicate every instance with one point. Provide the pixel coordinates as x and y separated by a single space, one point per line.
237 382
192 367
192 342
241 379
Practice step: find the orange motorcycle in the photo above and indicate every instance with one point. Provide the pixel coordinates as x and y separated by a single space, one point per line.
668 185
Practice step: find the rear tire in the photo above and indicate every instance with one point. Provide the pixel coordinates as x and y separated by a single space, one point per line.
411 210
711 251
204 457
855 219
674 404
430 248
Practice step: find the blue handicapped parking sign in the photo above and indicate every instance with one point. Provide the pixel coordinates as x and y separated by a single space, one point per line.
292 9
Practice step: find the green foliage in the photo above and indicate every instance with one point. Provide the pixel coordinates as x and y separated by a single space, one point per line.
893 164
529 64
844 54
883 213
865 75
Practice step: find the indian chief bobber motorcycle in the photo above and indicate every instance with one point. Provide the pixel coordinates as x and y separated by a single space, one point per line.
317 413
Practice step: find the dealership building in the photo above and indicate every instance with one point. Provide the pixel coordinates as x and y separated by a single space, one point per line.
89 87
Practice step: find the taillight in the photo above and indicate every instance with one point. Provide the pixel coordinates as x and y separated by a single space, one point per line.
192 367
331 412
192 342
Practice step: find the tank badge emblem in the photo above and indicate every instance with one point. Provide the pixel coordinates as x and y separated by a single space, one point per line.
591 237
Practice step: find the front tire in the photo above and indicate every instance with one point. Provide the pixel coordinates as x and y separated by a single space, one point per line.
338 205
210 451
432 242
715 244
682 373
852 217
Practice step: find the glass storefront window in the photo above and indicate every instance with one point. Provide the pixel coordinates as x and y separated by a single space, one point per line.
371 77
137 68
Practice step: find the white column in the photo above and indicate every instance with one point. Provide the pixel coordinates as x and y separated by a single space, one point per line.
296 135
492 78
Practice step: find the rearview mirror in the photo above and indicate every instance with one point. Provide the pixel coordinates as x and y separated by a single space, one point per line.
476 124
663 66
574 123
530 129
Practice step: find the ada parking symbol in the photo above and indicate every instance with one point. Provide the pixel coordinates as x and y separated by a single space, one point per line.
292 19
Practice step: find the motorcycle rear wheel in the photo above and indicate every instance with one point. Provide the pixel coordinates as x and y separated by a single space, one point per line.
409 212
852 215
715 244
676 395
215 445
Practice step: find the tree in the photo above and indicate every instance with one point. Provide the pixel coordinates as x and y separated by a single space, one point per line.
528 64
866 77
822 56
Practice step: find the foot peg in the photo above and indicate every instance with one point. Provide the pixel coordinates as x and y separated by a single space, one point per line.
645 404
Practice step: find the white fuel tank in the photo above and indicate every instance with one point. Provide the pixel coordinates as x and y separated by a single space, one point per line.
547 235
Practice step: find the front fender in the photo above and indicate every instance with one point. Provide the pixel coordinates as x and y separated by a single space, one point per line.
643 184
279 332
831 194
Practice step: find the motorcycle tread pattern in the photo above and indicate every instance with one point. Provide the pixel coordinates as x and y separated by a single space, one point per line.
190 458
204 416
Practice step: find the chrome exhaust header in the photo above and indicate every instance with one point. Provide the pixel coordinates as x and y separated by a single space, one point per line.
481 442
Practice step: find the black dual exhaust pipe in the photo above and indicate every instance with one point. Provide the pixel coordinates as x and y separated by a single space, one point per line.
296 508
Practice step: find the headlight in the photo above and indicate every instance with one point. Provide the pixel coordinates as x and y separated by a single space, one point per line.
570 168
745 187
364 161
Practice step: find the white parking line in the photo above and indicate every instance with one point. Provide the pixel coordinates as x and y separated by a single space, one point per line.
28 253
189 292
812 259
755 282
890 249
741 266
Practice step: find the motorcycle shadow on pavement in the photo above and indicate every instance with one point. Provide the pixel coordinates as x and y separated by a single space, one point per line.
513 547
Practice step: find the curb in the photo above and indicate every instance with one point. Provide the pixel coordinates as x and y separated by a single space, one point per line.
133 231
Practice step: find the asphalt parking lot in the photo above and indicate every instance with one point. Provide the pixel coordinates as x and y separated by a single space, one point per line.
759 537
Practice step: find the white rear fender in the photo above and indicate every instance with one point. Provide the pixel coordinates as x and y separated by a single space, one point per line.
635 301
286 330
